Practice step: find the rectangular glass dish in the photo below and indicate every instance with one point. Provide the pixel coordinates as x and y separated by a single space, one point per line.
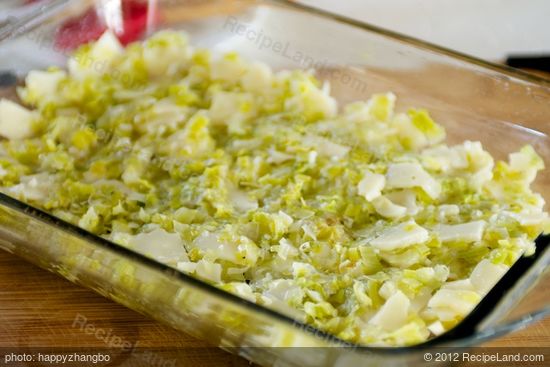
472 99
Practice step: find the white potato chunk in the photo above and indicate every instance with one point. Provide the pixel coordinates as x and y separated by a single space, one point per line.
386 208
160 245
530 218
16 122
452 303
371 186
436 328
448 210
401 236
43 84
467 232
393 314
409 175
485 275
100 58
208 270
406 198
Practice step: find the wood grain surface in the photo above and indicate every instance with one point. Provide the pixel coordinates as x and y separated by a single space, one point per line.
40 309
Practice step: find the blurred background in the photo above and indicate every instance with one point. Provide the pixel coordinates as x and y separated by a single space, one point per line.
489 29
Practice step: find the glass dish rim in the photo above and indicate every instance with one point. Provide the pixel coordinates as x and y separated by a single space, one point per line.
40 215
419 43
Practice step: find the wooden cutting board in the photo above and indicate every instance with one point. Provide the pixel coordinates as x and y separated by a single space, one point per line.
41 309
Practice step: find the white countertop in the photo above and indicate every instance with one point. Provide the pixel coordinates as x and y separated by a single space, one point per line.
489 29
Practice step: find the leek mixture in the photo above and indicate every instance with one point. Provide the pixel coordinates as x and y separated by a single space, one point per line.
358 220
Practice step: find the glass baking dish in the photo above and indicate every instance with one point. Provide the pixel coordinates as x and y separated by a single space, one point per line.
473 99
